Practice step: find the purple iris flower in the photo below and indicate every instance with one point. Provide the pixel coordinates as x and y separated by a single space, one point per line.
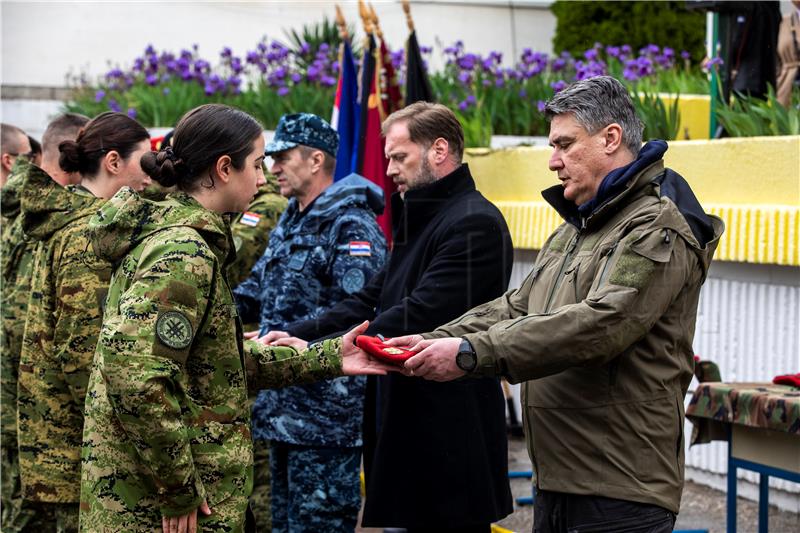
305 48
685 55
296 78
324 47
132 112
209 88
522 93
613 51
114 106
463 105
99 95
464 78
467 62
165 91
226 52
558 64
425 49
540 105
591 54
714 61
558 86
499 82
151 80
471 99
149 50
328 81
283 91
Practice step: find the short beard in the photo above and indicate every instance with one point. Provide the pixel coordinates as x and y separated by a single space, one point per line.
425 175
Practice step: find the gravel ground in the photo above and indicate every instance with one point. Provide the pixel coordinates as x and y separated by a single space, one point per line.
701 507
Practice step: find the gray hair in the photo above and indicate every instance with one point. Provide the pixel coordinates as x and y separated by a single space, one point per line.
597 102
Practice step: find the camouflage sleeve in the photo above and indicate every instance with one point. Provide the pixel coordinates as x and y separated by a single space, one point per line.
146 380
273 367
81 286
360 251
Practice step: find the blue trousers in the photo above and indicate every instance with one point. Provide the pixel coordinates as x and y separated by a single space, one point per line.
314 489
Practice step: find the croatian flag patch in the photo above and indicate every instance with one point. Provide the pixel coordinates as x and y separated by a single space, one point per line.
250 219
361 248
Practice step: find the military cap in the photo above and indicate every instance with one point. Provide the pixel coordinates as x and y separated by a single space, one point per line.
306 129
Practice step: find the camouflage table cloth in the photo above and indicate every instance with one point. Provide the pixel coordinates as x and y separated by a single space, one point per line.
760 405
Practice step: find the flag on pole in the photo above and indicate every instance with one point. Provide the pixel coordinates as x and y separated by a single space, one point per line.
371 160
346 113
418 87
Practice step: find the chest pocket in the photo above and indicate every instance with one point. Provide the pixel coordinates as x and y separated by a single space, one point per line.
309 254
577 279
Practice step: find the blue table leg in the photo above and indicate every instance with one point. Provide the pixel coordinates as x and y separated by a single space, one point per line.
763 503
731 519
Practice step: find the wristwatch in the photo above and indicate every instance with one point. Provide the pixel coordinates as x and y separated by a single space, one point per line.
466 359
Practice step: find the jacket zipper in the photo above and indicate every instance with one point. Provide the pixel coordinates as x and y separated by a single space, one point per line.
567 258
604 272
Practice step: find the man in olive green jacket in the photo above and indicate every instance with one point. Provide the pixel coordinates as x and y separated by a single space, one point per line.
601 330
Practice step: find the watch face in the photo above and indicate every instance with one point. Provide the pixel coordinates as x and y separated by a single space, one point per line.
466 361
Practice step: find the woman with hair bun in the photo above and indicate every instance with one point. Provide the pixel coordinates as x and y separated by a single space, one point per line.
64 314
167 428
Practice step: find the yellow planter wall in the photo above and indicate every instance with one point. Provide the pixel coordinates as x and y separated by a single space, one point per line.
753 184
695 112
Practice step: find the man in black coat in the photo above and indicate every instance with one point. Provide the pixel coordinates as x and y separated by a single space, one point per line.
435 454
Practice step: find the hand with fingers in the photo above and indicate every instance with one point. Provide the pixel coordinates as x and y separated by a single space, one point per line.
356 362
251 335
294 342
186 523
435 360
273 336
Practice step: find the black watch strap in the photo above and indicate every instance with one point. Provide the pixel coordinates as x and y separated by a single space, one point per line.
466 359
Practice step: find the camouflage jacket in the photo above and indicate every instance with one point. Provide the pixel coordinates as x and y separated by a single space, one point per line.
64 314
16 261
251 230
167 412
315 259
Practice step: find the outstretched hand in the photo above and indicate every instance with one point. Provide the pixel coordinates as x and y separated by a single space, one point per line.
273 336
298 344
356 362
435 360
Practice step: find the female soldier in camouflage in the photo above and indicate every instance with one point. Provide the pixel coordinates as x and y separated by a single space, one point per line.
68 284
167 413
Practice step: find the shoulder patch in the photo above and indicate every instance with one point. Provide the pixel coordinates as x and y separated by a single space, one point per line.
360 248
250 219
353 280
174 330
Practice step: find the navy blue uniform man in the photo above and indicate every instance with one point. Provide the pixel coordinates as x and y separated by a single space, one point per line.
326 246
452 250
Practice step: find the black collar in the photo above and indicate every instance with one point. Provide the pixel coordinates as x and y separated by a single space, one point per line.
420 205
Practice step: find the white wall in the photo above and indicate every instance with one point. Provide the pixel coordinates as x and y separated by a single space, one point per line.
42 42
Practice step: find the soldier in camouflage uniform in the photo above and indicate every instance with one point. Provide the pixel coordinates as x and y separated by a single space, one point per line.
16 256
252 228
325 247
67 288
17 262
167 412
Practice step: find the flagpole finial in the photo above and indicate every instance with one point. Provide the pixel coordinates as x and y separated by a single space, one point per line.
365 18
407 11
374 17
341 23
